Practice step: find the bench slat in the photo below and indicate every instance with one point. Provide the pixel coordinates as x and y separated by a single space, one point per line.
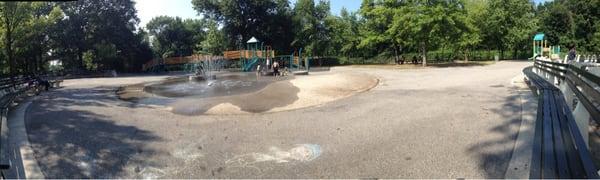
4 156
559 150
536 170
572 155
559 145
548 161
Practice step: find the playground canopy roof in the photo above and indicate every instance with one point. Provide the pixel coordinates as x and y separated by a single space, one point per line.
538 37
252 40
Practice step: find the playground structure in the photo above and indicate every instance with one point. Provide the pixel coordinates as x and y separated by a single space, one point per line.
541 48
187 63
255 53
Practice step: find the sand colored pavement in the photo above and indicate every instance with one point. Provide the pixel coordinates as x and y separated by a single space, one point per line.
457 122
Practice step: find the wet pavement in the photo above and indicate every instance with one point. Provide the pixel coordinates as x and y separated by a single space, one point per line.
223 84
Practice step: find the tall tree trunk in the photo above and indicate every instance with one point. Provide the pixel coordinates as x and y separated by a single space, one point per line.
38 64
467 55
9 51
80 58
396 59
424 51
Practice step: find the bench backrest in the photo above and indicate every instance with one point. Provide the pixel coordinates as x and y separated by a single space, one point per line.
584 84
560 150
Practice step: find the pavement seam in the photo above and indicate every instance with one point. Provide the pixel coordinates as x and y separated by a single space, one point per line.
25 159
518 167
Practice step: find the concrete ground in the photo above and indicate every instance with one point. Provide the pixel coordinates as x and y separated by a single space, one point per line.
458 122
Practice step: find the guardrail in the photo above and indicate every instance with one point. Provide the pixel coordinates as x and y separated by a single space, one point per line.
179 60
580 84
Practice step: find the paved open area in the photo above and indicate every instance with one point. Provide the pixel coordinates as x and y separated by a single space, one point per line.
455 122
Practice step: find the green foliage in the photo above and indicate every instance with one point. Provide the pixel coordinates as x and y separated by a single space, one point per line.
89 60
14 14
557 23
88 23
267 20
377 17
174 37
103 34
215 42
311 30
54 68
510 23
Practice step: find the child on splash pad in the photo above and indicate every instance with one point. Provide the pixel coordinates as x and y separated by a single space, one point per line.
258 71
275 68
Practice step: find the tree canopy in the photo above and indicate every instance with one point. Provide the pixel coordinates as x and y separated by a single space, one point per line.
106 34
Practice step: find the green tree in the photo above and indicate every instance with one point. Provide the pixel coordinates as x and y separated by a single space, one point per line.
375 31
87 23
586 19
215 42
89 60
34 43
14 14
427 24
197 28
174 37
557 23
267 20
471 36
510 24
311 32
349 33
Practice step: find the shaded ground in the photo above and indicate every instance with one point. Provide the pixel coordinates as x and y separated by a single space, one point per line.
457 122
429 65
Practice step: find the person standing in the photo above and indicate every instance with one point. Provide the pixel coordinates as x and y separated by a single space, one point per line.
572 54
258 71
275 68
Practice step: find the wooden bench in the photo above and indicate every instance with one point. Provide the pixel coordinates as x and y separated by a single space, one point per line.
559 149
10 89
55 82
7 95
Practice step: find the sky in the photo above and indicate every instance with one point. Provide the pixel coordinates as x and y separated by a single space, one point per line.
147 9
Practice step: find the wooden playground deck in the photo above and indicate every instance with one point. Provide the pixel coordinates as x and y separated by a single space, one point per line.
247 54
180 60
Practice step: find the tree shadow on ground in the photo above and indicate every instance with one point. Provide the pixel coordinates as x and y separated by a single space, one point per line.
429 65
495 154
459 64
82 144
100 97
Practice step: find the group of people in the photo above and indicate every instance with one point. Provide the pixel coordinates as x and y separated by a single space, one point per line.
275 65
414 60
